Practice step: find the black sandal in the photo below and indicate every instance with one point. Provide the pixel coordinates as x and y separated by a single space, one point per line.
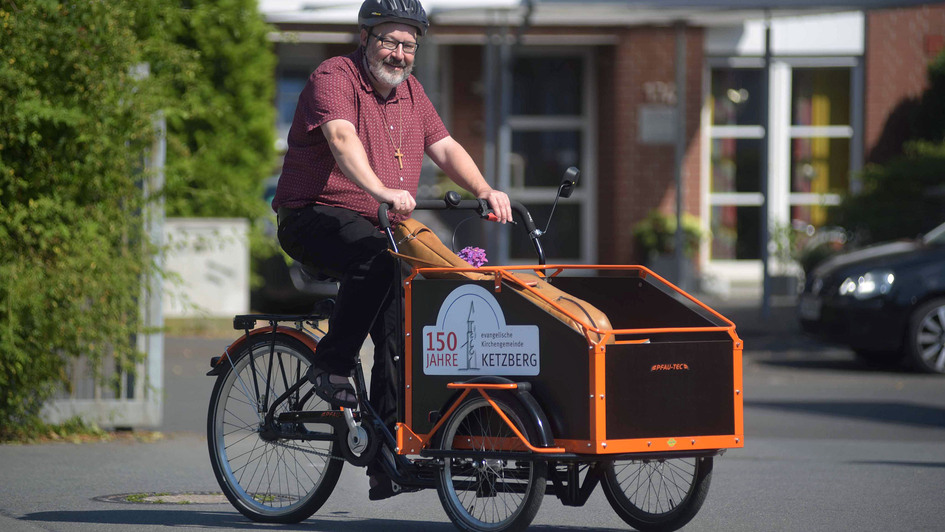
330 391
382 487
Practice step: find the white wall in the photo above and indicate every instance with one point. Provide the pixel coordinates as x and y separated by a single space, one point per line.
838 34
208 263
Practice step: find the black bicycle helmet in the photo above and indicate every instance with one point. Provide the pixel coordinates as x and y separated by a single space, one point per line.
374 12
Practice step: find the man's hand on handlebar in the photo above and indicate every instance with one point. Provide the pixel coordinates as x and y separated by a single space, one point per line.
401 201
500 204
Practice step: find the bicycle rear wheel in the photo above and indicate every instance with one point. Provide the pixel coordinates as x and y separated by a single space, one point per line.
488 494
266 479
657 495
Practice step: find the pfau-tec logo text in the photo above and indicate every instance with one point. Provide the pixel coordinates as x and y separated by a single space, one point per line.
471 338
670 367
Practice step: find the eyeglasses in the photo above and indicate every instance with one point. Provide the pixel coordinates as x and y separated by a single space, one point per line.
390 44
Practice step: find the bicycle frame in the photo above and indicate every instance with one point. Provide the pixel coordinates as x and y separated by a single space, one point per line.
661 383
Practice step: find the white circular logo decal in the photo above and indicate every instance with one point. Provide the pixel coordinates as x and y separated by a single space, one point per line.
471 338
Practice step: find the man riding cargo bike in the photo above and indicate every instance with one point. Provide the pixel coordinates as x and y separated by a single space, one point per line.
493 385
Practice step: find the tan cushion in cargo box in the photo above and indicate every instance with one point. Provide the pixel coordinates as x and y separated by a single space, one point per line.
579 308
421 248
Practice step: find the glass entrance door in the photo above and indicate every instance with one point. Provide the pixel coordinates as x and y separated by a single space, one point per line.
811 142
550 128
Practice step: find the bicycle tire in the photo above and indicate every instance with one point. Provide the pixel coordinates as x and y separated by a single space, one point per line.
657 495
280 481
489 495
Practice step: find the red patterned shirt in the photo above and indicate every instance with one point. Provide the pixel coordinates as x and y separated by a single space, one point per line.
339 89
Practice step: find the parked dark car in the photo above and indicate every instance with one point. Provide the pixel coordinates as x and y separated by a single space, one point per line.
287 287
885 301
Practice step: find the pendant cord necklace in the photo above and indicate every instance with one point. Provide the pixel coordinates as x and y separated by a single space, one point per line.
383 108
397 153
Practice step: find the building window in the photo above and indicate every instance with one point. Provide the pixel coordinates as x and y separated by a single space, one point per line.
547 86
810 143
296 63
288 87
735 169
821 134
550 128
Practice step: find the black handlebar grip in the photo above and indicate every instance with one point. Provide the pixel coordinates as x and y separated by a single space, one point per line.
382 215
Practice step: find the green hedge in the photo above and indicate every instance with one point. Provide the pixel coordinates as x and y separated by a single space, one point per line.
75 121
221 137
77 117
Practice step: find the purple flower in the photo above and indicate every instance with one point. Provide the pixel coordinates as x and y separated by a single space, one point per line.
474 256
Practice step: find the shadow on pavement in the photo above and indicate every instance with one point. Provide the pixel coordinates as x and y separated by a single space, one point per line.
231 520
896 413
847 363
900 463
223 520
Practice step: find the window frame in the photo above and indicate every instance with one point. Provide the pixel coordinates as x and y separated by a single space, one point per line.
782 133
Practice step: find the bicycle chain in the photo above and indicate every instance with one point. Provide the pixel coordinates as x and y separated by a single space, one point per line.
309 451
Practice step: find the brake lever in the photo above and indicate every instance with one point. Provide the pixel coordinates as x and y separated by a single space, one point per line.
488 214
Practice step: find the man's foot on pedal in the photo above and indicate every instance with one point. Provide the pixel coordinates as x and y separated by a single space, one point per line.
382 487
336 389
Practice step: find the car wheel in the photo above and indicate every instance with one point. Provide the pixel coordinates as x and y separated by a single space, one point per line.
927 337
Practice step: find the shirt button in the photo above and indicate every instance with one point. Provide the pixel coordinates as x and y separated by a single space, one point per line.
401 178
392 127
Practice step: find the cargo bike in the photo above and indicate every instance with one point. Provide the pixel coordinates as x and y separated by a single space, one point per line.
516 382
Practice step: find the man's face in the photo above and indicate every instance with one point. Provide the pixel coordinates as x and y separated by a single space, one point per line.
391 67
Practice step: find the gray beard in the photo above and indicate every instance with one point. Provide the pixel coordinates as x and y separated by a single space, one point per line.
376 66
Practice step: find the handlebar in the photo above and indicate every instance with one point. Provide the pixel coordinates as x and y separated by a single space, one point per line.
474 205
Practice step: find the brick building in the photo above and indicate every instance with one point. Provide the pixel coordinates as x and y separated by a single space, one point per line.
531 88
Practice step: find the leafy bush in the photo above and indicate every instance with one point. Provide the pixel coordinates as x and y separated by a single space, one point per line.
221 134
80 85
656 234
77 119
930 119
906 195
900 199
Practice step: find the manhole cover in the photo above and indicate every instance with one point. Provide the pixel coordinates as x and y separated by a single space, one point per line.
187 497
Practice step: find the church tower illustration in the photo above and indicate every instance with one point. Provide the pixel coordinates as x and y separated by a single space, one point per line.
470 340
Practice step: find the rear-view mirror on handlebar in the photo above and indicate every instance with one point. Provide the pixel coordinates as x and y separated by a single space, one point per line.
568 182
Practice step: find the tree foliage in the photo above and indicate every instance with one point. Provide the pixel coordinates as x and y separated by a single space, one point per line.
81 82
221 142
76 120
906 195
930 119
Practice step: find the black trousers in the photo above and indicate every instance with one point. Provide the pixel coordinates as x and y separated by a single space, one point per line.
345 245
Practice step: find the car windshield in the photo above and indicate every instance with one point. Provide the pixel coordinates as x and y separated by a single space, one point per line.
935 237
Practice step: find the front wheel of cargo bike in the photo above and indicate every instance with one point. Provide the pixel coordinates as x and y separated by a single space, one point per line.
489 494
657 495
269 480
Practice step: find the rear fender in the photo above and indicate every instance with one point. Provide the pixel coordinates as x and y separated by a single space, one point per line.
217 364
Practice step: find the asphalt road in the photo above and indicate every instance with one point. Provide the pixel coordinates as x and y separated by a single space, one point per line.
830 445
